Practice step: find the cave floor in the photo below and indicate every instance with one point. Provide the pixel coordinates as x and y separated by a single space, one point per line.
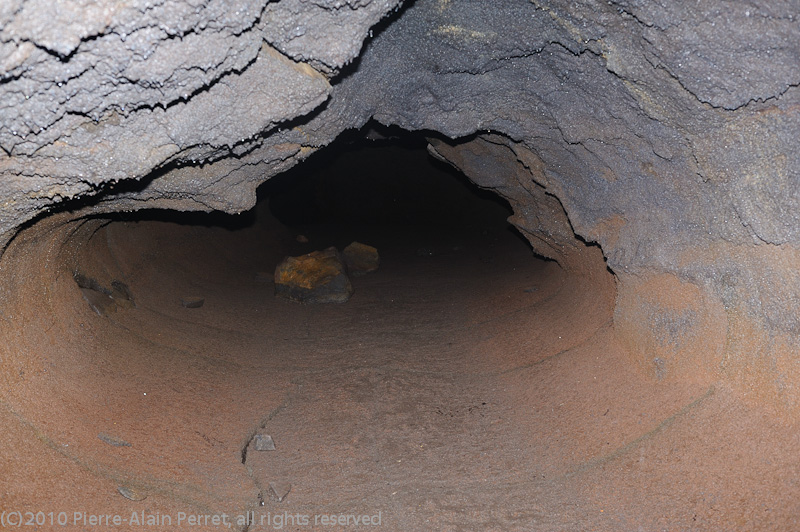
468 387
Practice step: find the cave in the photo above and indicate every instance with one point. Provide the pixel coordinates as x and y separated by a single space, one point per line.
585 313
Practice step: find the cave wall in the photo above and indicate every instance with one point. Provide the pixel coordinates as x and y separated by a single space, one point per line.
663 132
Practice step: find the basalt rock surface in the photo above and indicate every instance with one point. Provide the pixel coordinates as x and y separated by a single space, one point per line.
658 136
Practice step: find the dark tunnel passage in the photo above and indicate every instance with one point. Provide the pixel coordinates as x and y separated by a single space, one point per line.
384 179
463 379
558 244
385 187
393 393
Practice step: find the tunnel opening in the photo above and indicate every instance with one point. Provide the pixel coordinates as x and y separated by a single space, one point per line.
148 370
380 176
170 361
381 185
154 364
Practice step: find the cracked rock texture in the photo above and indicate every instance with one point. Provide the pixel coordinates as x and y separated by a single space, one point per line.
666 133
96 93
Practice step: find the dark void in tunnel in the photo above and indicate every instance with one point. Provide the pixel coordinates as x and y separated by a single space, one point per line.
380 190
381 183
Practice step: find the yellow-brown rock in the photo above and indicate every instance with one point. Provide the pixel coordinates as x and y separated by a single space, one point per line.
361 258
318 277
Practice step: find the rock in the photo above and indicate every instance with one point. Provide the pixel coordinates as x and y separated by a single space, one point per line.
121 294
84 281
279 490
360 258
263 442
303 239
318 277
192 302
131 493
113 440
99 302
99 297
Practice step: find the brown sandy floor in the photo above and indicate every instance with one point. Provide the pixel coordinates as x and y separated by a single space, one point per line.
475 389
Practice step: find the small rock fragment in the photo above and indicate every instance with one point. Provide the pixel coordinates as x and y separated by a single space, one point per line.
121 294
192 302
131 493
263 442
361 258
84 281
99 302
113 440
102 300
303 239
318 277
279 490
